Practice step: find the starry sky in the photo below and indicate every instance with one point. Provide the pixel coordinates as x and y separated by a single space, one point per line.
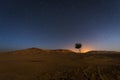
59 24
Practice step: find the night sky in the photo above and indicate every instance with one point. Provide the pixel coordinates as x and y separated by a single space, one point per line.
59 24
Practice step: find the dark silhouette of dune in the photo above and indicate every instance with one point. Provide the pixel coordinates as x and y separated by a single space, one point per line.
103 52
35 51
39 51
62 51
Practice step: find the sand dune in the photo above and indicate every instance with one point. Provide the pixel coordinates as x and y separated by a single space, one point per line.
40 64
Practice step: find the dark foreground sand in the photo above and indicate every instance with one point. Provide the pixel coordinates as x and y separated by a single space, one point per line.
59 66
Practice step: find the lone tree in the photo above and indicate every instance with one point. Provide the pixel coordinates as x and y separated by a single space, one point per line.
78 46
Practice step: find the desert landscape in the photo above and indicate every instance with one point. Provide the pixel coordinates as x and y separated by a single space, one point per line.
60 64
59 39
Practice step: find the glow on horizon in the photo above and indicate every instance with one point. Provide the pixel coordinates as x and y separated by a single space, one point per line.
83 49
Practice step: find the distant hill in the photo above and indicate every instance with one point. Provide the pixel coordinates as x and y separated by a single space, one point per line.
30 51
103 52
35 51
62 51
38 51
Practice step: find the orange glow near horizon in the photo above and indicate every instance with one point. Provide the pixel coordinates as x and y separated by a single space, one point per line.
83 50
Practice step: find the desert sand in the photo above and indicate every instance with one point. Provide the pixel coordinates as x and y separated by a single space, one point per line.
38 64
